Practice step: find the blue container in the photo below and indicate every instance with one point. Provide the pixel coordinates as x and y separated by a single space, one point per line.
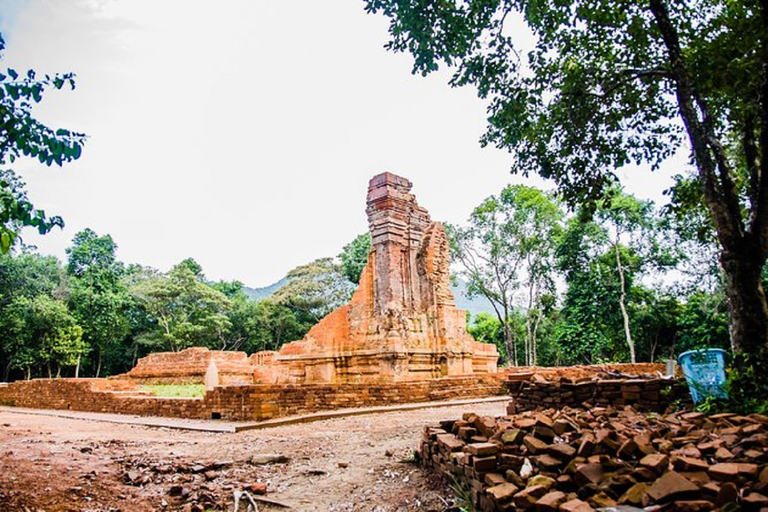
704 371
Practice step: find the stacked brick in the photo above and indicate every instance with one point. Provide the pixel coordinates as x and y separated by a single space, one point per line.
577 460
579 373
240 403
653 394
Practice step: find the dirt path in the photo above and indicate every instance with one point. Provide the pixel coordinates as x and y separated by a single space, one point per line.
342 464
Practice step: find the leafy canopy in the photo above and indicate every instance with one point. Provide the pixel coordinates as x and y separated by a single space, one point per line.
23 135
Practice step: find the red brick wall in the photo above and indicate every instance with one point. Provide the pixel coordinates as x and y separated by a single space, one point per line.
253 402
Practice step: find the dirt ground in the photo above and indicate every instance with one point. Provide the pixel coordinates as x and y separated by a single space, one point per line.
358 463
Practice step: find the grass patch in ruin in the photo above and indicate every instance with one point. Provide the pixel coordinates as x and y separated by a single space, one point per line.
176 390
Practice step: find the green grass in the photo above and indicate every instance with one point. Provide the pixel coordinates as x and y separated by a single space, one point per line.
176 390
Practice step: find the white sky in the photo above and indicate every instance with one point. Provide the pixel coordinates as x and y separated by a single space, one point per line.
242 133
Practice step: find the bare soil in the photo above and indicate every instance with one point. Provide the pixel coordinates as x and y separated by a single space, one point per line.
360 463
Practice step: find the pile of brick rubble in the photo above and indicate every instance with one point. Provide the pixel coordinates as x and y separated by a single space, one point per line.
579 459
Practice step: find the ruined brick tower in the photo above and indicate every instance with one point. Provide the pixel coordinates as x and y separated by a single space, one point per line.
402 322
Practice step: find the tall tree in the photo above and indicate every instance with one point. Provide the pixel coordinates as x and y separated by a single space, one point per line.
24 277
99 298
507 245
23 135
186 311
314 290
609 83
41 332
631 229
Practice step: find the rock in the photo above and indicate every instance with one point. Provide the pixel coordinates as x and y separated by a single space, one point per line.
586 445
492 479
689 464
541 480
257 488
343 464
550 501
513 436
723 454
484 464
546 434
502 492
561 426
747 469
267 458
575 506
535 445
547 462
755 501
210 475
627 449
657 462
601 500
485 425
699 478
671 486
482 449
562 451
729 493
635 495
725 472
528 497
588 474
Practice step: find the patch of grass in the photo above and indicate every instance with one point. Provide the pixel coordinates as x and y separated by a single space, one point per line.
176 390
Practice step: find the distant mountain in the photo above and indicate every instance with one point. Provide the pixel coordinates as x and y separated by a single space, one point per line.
263 293
474 305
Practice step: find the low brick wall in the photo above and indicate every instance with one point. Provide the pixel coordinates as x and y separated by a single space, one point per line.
645 394
240 403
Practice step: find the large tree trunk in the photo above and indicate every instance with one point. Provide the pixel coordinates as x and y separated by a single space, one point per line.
746 301
744 247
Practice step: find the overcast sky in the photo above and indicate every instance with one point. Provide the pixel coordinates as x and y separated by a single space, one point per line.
242 133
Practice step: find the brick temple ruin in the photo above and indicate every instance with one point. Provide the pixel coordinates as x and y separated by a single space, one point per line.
402 323
400 339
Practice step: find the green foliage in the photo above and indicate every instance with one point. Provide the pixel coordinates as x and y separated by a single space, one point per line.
703 322
608 84
99 299
16 211
748 384
507 246
22 134
186 311
354 257
41 331
314 290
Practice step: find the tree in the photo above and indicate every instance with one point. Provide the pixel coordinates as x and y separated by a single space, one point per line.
24 277
508 243
314 290
185 310
99 298
23 135
354 257
631 228
41 331
610 83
